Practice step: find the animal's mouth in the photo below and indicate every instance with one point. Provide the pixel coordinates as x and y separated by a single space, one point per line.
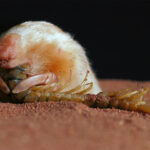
9 78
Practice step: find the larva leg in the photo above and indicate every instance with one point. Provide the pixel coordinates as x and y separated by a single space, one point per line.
80 89
62 87
85 86
133 94
130 100
32 81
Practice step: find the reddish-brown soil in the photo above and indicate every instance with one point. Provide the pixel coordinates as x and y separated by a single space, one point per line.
72 126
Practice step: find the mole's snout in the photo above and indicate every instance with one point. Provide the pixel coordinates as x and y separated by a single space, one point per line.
8 45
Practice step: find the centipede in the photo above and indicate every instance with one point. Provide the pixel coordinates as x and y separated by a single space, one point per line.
39 62
127 99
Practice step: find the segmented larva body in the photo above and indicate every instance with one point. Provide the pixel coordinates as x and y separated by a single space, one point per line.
50 52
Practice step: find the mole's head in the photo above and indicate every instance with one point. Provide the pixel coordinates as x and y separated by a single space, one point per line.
10 45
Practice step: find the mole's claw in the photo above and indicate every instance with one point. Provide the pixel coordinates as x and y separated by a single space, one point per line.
32 81
3 87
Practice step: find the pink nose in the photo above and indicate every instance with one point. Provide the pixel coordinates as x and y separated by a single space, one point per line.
8 46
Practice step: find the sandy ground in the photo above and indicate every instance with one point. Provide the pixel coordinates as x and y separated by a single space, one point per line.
72 126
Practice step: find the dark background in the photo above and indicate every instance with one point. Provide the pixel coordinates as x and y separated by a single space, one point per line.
115 34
